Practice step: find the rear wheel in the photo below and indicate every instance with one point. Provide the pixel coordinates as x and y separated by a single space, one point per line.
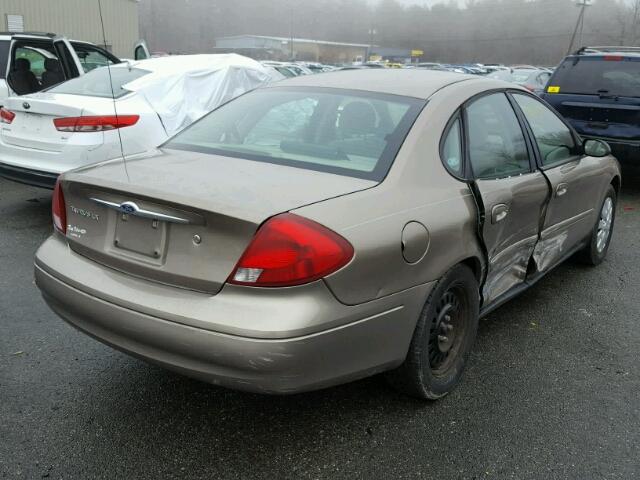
596 250
443 337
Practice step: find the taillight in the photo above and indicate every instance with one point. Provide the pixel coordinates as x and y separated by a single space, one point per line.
613 58
97 123
291 250
6 116
58 209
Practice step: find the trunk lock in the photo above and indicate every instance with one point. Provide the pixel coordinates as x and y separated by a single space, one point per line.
197 239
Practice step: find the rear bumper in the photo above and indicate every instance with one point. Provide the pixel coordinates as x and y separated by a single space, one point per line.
27 176
349 349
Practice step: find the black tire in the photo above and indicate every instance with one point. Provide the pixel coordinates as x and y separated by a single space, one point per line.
428 372
593 254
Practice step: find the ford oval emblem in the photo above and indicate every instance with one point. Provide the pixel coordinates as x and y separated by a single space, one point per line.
128 207
26 105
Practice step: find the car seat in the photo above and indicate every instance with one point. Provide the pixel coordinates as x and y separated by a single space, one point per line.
53 73
357 131
21 78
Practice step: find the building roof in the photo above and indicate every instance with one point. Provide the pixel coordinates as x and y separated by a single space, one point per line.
296 40
407 82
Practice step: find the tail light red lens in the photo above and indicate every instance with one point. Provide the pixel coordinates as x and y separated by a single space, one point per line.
99 123
6 116
291 250
58 209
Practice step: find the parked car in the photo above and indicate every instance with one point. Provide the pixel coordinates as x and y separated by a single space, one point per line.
30 62
597 90
533 80
504 75
294 68
327 228
80 122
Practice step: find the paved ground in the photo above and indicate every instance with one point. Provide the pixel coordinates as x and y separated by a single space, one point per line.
553 391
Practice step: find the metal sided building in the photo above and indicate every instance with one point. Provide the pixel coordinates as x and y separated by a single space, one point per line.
76 19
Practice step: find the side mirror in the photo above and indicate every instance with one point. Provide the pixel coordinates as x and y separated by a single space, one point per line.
597 148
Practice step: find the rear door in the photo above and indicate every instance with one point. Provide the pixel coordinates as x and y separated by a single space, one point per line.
5 47
599 95
575 182
511 193
69 60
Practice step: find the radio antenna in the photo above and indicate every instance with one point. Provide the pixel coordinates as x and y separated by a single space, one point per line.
113 95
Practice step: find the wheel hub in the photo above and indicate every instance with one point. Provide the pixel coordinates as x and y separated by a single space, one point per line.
604 225
445 329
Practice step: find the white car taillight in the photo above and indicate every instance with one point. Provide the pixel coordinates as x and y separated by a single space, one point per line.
6 116
96 123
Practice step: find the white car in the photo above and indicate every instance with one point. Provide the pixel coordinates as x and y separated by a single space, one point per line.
125 109
30 62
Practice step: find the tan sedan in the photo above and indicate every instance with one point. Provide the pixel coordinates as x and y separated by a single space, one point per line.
328 228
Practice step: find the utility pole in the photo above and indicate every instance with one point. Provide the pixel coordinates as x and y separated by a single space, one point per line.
291 31
583 4
372 33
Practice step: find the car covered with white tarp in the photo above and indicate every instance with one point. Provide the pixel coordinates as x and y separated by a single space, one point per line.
124 109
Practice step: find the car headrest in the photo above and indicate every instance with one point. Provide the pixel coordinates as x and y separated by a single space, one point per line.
357 117
22 65
51 64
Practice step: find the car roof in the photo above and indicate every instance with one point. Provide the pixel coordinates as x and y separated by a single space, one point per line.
406 82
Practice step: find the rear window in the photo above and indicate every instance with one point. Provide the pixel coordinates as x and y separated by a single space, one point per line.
96 82
339 131
593 75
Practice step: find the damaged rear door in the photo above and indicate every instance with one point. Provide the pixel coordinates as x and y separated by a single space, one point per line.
510 191
574 180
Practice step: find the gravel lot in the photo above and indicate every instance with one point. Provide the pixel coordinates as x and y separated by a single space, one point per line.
552 391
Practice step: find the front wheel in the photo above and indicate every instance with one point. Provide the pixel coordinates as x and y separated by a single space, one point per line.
596 250
443 337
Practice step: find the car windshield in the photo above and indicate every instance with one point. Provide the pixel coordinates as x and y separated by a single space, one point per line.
339 131
611 75
96 82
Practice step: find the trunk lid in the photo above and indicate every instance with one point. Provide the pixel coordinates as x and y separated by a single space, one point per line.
33 125
196 213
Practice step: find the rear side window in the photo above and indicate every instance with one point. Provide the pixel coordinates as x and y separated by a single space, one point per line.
452 148
4 57
332 130
497 147
610 75
96 82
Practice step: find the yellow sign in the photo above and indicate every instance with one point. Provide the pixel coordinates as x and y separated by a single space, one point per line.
417 53
553 89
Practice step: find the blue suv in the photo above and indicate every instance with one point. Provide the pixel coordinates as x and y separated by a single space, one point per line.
597 90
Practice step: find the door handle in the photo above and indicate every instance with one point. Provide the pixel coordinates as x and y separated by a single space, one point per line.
499 212
561 189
